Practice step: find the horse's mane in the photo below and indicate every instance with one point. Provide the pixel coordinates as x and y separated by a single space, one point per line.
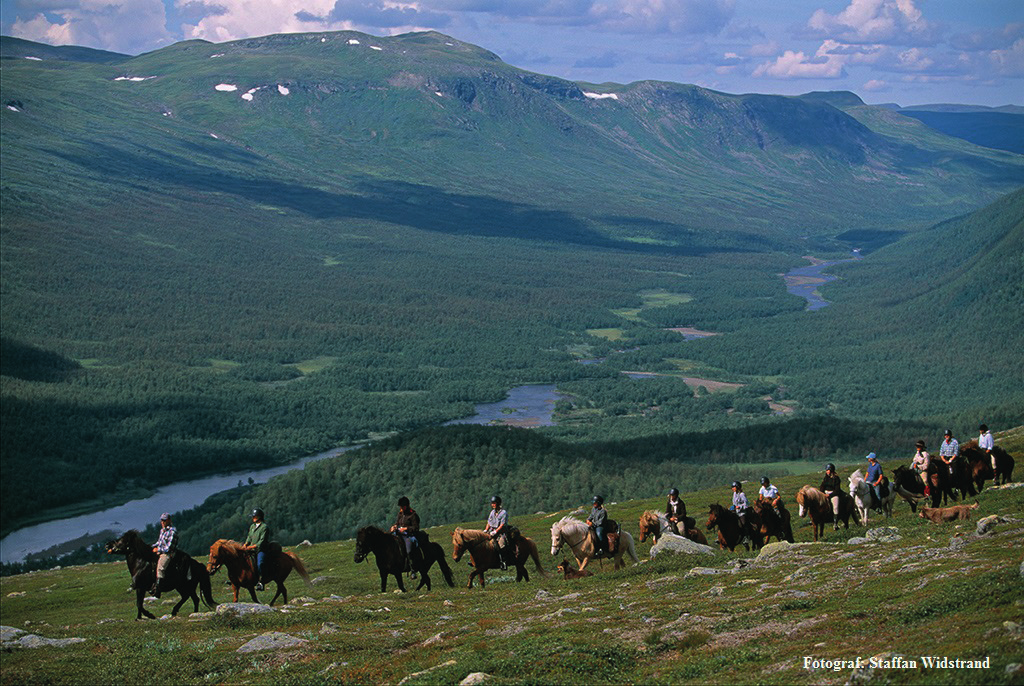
856 476
809 495
650 517
470 535
228 546
716 508
569 523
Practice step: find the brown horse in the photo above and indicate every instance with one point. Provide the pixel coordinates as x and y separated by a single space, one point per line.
910 486
484 555
979 465
818 507
773 523
389 552
730 532
242 567
656 524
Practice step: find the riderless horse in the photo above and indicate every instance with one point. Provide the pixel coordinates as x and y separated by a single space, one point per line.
731 532
484 555
242 571
656 524
184 574
389 553
863 497
580 539
818 507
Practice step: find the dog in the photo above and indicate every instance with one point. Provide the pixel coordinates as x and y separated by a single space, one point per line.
947 514
572 573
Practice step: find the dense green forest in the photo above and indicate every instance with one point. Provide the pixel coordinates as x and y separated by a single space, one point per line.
191 284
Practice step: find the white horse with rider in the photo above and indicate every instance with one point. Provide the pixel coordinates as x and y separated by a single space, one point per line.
580 539
860 489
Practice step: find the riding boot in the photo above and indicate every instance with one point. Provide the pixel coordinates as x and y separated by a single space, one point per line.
155 591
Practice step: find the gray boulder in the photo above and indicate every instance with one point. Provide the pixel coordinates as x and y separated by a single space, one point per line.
475 679
242 609
670 543
275 640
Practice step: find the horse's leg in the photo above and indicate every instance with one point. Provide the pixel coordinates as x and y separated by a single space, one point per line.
401 584
280 590
184 597
140 596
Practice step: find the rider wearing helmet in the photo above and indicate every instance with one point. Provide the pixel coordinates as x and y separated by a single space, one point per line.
406 526
739 503
832 487
675 510
258 541
769 493
596 520
497 527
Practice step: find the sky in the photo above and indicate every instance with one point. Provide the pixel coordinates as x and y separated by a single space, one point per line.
908 52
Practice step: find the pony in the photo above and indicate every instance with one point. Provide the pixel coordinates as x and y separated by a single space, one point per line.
571 573
656 524
389 552
862 496
242 572
184 574
816 505
979 465
730 532
774 523
580 539
484 555
911 488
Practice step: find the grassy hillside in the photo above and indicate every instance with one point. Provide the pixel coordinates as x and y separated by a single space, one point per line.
939 590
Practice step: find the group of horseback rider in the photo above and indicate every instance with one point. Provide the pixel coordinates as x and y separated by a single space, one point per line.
949 451
257 542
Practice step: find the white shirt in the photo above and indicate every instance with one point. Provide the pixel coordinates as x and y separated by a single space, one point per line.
769 492
985 441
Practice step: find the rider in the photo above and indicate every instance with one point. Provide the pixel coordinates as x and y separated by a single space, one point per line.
832 487
675 510
874 479
770 493
596 521
920 464
949 449
406 526
497 527
740 505
165 547
986 443
258 541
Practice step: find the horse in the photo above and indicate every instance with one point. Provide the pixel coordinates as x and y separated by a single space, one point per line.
818 507
580 539
484 555
910 487
184 574
979 465
862 496
389 551
730 532
656 524
774 523
242 571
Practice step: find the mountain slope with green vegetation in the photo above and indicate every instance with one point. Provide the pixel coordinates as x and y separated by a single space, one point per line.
384 231
897 592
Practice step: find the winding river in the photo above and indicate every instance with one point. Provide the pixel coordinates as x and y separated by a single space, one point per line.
524 406
804 281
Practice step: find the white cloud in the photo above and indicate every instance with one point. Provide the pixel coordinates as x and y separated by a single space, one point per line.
889 22
235 19
129 26
876 86
797 65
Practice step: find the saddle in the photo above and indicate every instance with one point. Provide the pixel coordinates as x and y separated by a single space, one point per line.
611 532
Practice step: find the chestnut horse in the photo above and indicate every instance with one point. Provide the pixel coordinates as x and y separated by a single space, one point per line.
183 575
656 524
818 507
730 532
242 572
484 555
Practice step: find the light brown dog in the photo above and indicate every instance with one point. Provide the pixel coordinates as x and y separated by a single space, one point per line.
947 514
571 572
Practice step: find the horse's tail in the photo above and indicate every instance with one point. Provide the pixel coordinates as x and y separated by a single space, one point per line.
536 557
439 555
299 567
631 547
205 587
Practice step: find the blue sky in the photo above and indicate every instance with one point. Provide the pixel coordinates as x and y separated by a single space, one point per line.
904 51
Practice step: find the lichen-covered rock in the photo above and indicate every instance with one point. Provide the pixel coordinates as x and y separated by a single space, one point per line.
242 609
670 543
275 640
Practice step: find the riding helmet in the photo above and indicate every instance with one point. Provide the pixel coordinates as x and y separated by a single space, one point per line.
403 502
983 428
737 484
765 481
673 491
496 499
598 500
257 513
830 467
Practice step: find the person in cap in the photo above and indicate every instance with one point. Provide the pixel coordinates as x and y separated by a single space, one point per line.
920 464
949 449
497 527
406 526
874 478
257 541
987 443
769 493
166 545
675 511
598 516
832 487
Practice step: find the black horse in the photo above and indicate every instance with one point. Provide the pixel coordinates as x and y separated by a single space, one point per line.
390 554
183 574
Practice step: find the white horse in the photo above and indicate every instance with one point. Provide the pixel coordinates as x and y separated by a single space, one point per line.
861 492
577 535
